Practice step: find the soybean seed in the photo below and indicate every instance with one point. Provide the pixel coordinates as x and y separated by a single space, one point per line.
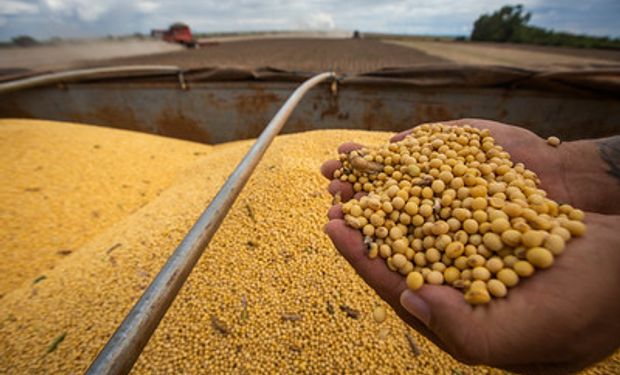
523 268
497 288
508 277
379 314
539 257
415 280
553 141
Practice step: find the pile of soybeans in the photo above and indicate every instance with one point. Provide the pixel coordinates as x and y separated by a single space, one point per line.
62 184
446 205
270 294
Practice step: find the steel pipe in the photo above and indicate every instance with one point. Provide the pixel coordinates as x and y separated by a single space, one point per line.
125 346
73 75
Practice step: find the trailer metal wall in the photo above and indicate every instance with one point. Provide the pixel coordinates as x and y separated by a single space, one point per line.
226 111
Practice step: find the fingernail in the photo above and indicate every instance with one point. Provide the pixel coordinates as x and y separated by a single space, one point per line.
416 306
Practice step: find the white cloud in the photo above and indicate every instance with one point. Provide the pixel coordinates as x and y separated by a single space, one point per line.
56 5
12 7
260 22
85 10
146 6
318 21
90 12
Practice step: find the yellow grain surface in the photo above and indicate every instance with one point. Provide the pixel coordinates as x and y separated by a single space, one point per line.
269 252
61 183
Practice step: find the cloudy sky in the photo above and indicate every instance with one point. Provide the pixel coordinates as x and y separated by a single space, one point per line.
88 18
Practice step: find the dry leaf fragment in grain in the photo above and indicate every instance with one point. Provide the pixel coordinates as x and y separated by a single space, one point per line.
219 325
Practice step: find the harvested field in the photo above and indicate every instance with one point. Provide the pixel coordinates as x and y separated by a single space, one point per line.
363 55
311 54
234 37
344 55
600 54
70 54
523 56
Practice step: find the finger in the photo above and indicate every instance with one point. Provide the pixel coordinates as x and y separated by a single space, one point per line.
503 133
400 136
347 147
500 131
335 212
328 168
350 243
389 285
474 123
359 195
526 147
344 188
478 123
444 311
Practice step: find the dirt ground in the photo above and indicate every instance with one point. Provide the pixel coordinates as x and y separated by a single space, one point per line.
523 56
234 37
363 55
69 54
601 54
299 54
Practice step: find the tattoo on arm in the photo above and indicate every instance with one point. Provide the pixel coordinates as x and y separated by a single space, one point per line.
610 152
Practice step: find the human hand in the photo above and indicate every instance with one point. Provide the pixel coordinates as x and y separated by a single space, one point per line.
561 320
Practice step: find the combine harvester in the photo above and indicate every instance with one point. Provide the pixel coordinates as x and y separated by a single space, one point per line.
224 104
177 33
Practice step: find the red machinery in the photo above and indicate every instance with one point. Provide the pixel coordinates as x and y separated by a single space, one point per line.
176 33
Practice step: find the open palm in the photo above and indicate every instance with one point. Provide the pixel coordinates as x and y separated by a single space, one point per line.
561 320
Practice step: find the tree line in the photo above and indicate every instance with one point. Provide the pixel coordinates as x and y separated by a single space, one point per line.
510 24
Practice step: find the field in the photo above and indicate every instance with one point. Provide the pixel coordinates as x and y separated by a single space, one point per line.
69 54
297 54
363 55
523 56
302 53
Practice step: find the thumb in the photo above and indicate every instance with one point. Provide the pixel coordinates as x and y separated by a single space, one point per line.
444 311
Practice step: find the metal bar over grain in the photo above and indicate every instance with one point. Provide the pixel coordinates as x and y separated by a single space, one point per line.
125 346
